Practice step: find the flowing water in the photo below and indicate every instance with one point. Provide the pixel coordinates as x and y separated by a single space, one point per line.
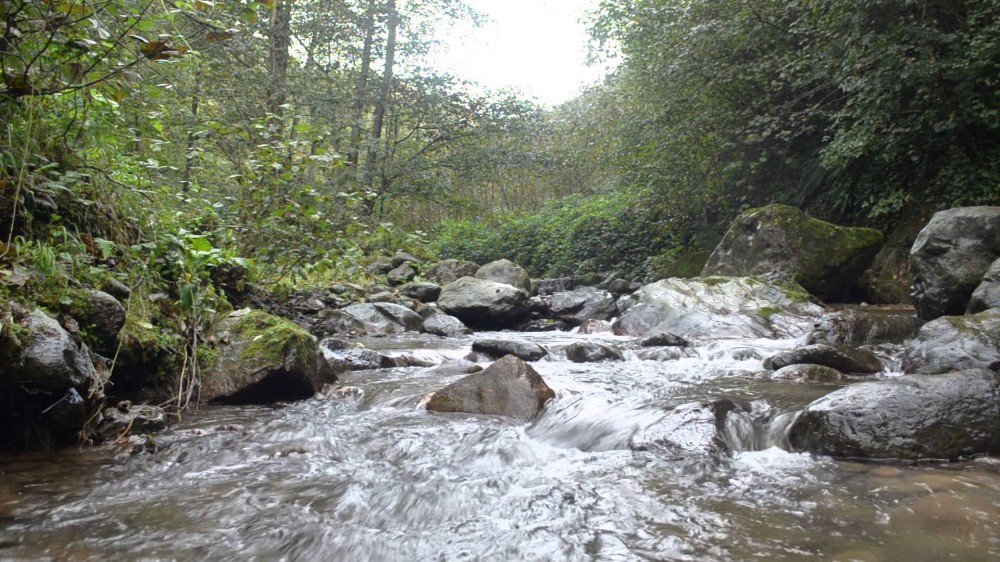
370 475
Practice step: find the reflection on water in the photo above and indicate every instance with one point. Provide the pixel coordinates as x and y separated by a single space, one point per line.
375 477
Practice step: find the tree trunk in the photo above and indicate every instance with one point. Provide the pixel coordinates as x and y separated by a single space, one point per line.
279 41
383 98
361 89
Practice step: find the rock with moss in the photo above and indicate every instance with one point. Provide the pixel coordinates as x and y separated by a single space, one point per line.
955 343
509 387
104 317
718 307
950 257
867 326
263 359
987 295
826 259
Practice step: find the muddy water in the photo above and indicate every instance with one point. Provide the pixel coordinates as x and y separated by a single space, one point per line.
373 476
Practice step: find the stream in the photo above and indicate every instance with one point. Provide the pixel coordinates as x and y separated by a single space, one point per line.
371 475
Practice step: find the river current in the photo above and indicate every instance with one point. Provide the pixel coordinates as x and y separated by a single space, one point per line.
369 474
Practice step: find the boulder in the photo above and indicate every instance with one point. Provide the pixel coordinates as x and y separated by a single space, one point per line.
663 339
116 288
826 259
915 417
401 257
354 359
547 287
840 357
987 295
594 327
592 352
694 428
423 292
373 319
664 353
51 359
449 271
380 267
583 303
950 257
480 303
263 359
401 275
506 271
718 307
457 367
124 419
104 317
867 326
445 325
955 343
496 348
508 387
808 373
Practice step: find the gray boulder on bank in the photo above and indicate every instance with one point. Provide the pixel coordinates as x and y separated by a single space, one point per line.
915 417
106 318
52 359
840 357
955 343
826 259
450 270
497 348
717 307
582 303
506 271
445 325
423 291
547 287
950 257
373 319
484 304
401 275
987 295
508 387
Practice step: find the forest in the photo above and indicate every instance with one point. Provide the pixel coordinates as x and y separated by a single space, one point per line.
177 176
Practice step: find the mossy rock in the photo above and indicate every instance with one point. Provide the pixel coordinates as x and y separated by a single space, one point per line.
262 359
778 240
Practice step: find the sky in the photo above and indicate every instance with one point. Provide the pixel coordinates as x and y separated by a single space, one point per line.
538 47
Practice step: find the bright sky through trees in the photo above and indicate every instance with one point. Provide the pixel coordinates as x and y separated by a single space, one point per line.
536 46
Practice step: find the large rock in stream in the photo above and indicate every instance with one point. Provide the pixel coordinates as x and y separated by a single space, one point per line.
506 271
840 357
915 417
484 304
509 387
955 343
824 258
866 326
496 348
581 304
718 307
263 359
950 257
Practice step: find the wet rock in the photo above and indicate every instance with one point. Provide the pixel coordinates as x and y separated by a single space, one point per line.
449 271
718 307
950 257
373 319
826 259
401 275
423 292
987 295
915 417
496 348
808 373
583 303
380 267
485 304
401 257
51 358
457 367
868 326
698 427
355 359
955 343
746 355
446 326
263 359
105 318
663 339
126 418
508 387
548 287
592 352
544 325
506 271
840 357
